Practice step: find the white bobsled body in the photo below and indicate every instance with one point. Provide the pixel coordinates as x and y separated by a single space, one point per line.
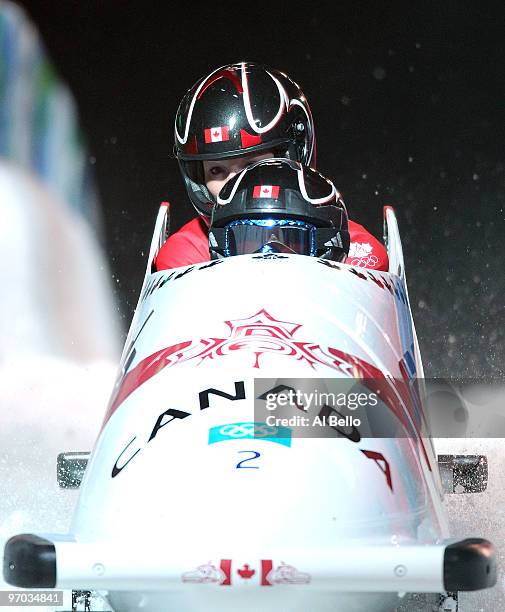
190 502
177 468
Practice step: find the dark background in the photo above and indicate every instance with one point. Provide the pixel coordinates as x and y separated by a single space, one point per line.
409 105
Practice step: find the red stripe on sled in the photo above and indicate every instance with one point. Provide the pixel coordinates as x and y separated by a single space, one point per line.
141 373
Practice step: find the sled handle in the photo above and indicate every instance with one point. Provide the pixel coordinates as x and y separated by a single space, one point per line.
393 243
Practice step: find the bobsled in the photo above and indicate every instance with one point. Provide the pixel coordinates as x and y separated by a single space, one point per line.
205 491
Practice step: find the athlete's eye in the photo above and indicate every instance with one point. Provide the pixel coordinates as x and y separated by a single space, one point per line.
216 170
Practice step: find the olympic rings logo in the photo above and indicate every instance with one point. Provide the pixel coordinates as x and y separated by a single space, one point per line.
248 430
362 262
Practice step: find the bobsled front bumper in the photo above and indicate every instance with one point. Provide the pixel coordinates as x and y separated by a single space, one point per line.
50 561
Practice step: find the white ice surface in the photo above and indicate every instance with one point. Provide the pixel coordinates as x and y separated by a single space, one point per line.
481 514
47 406
59 350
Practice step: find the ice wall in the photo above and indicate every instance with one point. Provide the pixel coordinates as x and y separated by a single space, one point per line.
39 125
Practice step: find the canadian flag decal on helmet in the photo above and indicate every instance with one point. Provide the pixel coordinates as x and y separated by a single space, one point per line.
266 191
216 134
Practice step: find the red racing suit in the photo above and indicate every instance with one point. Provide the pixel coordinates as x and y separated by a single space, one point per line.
190 245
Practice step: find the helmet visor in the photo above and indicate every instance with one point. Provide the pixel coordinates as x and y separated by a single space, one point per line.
247 236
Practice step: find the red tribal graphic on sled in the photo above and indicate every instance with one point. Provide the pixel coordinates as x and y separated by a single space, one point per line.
263 334
259 334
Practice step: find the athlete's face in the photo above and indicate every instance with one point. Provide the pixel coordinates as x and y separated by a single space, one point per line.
219 171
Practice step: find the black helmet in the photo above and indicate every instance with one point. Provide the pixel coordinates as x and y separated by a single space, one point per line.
279 206
236 110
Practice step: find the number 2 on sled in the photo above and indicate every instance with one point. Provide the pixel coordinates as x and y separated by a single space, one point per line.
240 464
